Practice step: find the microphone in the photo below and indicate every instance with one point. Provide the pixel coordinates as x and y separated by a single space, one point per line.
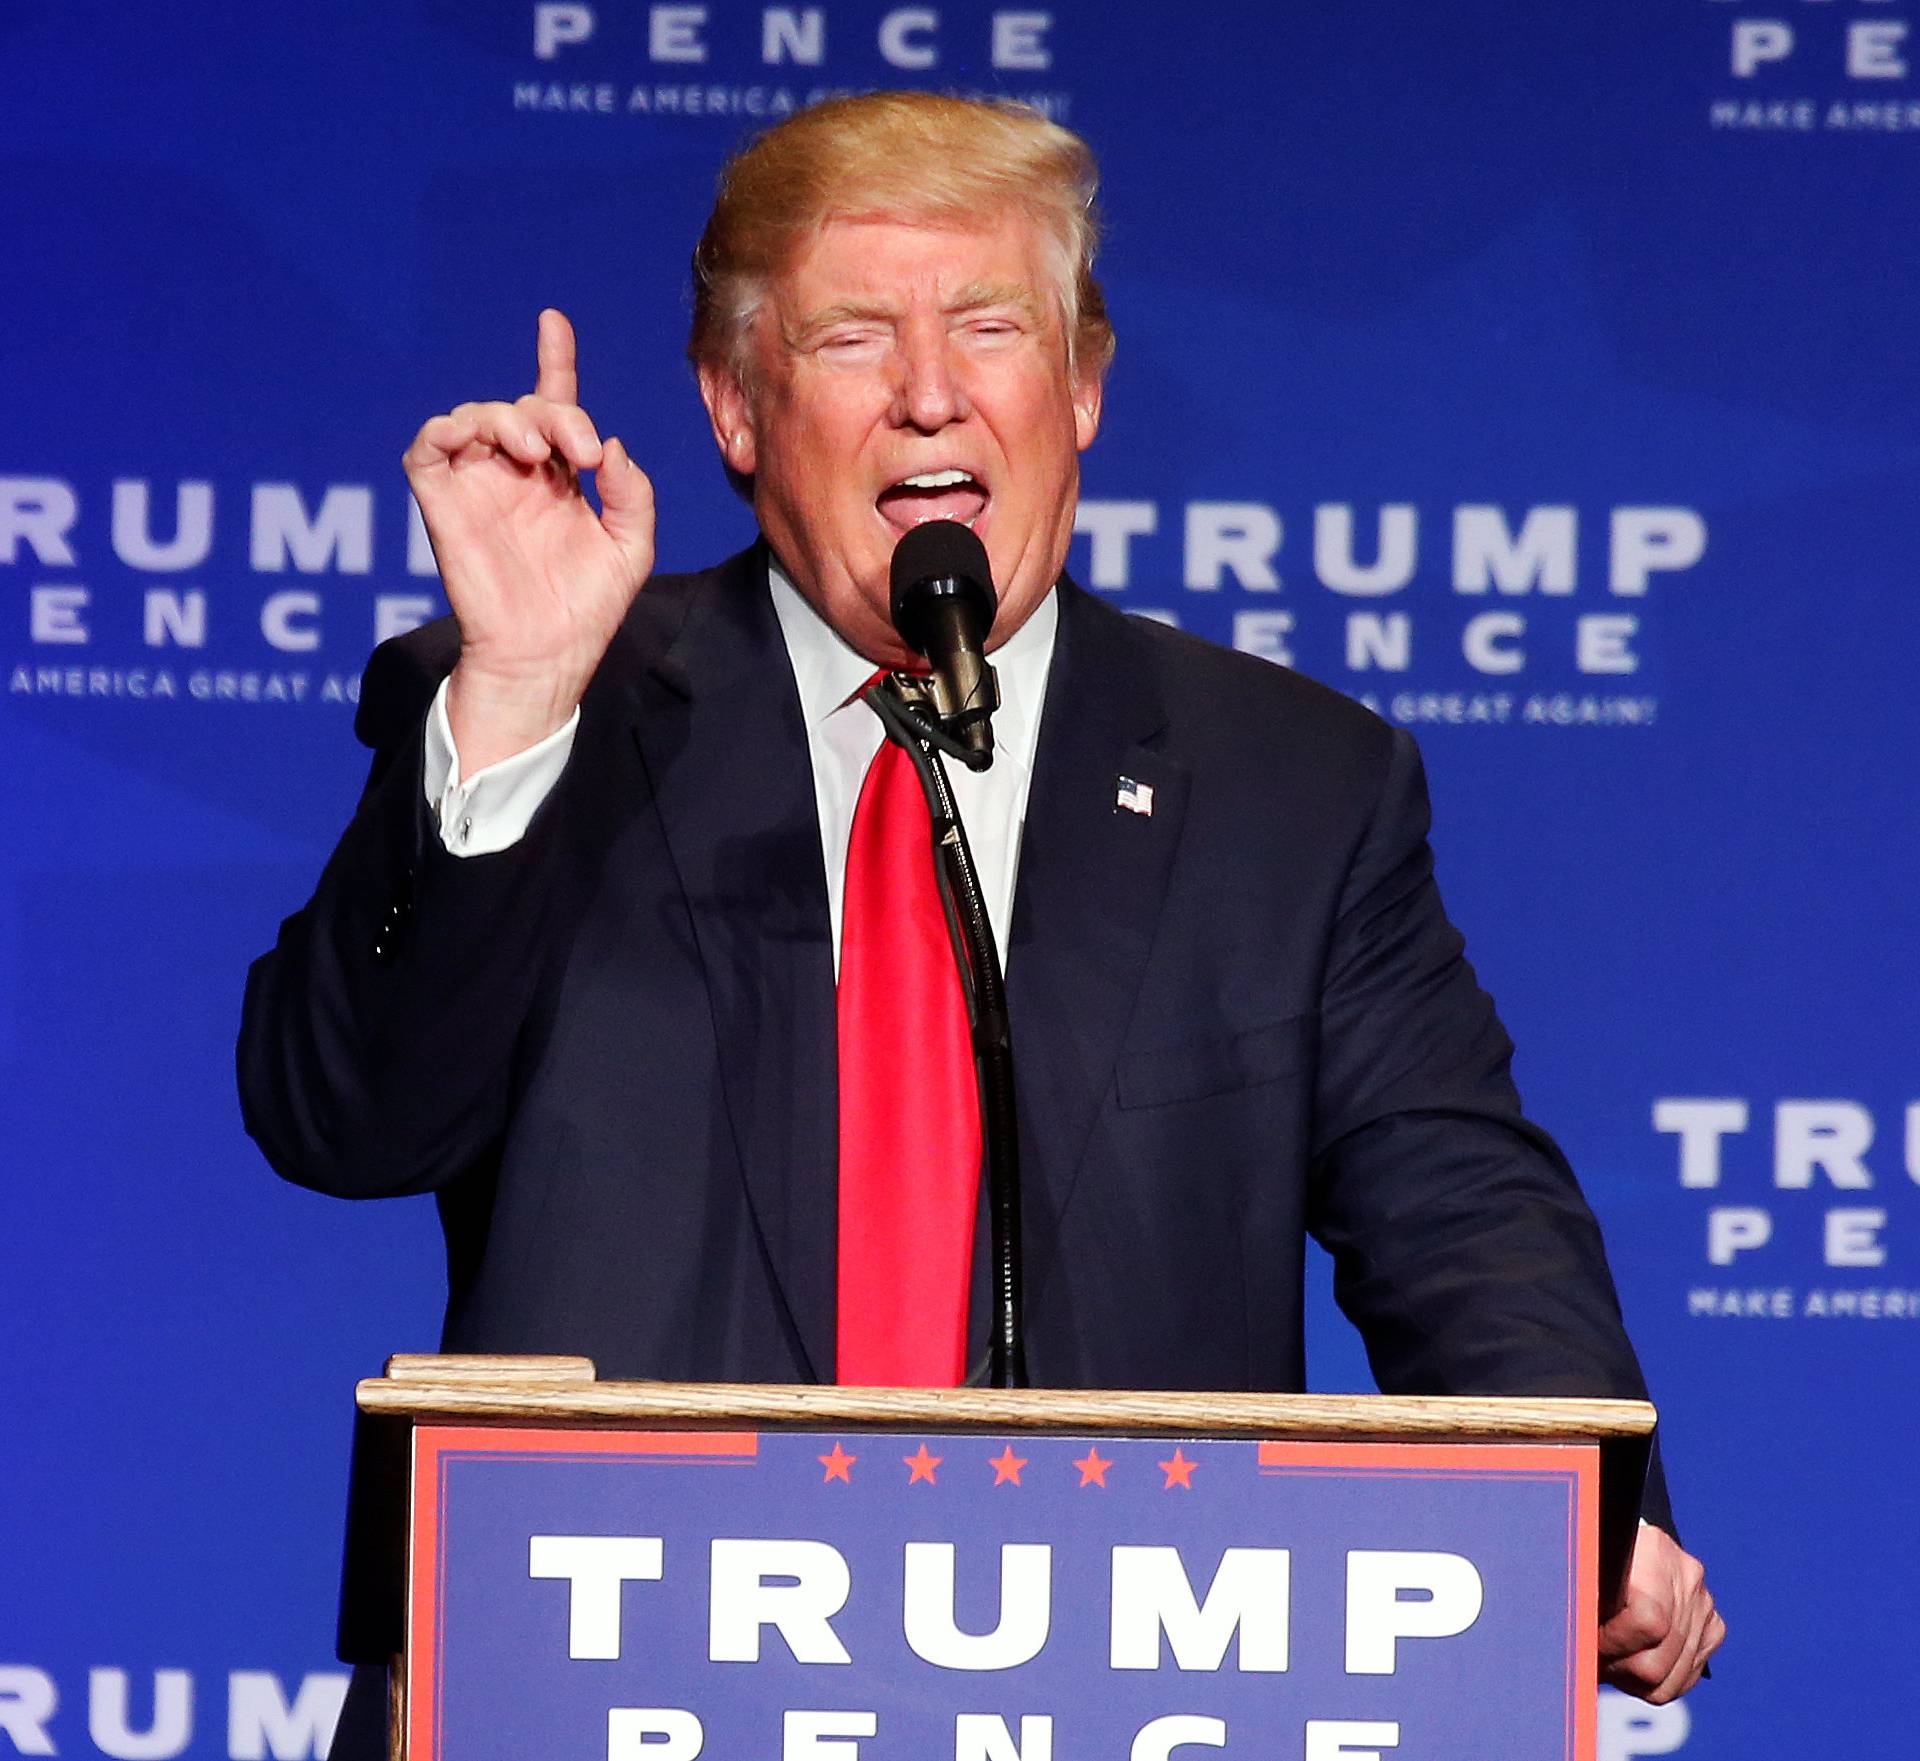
943 604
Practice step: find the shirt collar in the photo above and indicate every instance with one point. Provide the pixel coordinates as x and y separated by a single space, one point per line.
828 671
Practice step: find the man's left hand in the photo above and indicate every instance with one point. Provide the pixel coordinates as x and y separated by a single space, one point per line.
1657 1645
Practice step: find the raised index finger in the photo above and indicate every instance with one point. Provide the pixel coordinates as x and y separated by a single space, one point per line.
558 381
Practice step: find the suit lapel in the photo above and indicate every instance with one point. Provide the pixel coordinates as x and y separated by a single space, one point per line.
1093 874
718 723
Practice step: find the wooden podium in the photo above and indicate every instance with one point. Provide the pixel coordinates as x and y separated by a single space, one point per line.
560 1567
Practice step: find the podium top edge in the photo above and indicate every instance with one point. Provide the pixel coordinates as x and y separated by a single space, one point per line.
523 1393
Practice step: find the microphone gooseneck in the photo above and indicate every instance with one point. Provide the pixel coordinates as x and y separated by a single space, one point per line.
943 604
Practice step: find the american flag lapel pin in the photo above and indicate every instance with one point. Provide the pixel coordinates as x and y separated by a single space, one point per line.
1134 797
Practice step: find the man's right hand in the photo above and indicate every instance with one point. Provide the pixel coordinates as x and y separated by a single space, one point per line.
538 581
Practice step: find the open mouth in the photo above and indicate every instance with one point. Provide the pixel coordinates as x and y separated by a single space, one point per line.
932 495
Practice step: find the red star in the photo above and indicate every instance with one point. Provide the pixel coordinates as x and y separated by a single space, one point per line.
1093 1470
839 1465
1006 1466
922 1465
1179 1471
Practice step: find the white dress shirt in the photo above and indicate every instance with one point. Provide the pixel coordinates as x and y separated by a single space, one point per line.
491 810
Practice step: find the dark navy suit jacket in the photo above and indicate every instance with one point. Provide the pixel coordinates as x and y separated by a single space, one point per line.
1244 1017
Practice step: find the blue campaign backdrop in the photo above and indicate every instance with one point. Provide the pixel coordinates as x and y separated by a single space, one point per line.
1546 376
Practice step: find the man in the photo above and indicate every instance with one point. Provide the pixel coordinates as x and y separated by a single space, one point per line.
573 966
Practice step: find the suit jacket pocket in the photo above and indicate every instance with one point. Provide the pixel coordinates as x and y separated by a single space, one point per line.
1212 1064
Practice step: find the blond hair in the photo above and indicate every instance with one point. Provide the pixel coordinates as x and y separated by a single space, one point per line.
915 156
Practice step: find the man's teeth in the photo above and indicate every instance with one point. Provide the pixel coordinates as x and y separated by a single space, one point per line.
950 478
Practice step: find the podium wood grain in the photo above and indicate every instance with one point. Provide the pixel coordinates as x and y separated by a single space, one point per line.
565 1390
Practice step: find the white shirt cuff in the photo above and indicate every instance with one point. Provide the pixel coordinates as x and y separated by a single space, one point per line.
491 809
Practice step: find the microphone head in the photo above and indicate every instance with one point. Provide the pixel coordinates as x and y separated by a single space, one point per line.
940 560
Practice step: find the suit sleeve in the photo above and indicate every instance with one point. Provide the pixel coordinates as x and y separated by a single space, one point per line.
1463 1248
378 1037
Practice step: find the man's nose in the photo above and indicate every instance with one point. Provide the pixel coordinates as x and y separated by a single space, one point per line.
929 393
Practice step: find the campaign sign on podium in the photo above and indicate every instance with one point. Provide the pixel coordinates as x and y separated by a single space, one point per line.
868 1596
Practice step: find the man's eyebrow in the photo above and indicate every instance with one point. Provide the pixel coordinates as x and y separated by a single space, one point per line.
804 330
977 294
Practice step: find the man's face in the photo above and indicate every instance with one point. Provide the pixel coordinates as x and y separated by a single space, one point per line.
904 373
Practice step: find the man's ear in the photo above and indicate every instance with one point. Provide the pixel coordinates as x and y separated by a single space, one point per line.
1087 391
732 418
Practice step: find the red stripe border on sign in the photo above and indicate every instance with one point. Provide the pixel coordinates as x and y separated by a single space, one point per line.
1574 1466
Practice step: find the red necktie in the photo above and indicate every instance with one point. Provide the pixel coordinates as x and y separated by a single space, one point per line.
909 1102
